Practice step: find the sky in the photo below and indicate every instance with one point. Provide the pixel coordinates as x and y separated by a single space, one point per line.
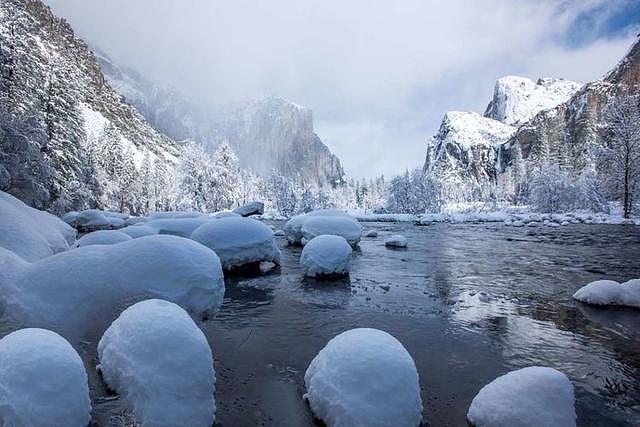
378 75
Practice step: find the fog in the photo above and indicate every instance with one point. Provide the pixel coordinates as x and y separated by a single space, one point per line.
378 75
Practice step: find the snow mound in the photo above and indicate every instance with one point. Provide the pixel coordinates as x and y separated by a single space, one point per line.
364 377
103 237
182 227
371 233
252 208
530 397
326 255
160 362
396 241
238 241
30 233
609 292
135 231
95 219
174 214
225 214
517 99
42 381
81 289
343 226
293 227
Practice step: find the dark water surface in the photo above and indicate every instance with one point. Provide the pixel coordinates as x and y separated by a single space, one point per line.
469 302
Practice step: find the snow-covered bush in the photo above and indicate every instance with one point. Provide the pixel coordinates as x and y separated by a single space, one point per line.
103 237
609 292
78 290
529 397
552 190
160 362
364 377
238 241
326 255
30 233
415 193
42 381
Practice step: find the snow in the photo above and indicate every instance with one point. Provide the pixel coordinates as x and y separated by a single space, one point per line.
252 208
182 227
529 397
609 292
517 99
364 377
293 227
135 231
42 381
80 289
468 129
103 237
396 241
95 219
326 255
160 362
371 233
344 226
238 241
30 233
174 214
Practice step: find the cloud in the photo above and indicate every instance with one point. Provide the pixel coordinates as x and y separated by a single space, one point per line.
379 75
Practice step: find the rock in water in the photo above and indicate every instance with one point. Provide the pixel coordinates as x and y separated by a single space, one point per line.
161 364
326 255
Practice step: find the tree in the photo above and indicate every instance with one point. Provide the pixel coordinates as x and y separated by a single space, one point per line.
225 178
552 190
619 158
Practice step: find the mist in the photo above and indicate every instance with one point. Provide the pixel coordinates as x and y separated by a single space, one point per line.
378 75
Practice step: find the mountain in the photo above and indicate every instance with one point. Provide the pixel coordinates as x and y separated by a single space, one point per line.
567 133
517 99
57 110
468 152
267 133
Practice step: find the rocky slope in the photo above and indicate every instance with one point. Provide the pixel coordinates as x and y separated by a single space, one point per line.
568 133
267 133
54 101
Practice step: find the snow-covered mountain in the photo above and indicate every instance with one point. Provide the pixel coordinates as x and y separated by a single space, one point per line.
268 133
517 99
55 104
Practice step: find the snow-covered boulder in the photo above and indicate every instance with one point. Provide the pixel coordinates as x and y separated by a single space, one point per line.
343 226
326 255
609 292
95 219
174 214
396 241
42 381
182 227
103 237
135 231
293 227
30 233
371 233
530 397
364 377
77 290
238 241
225 214
160 362
252 208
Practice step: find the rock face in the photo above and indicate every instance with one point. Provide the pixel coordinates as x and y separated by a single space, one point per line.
567 133
267 133
517 99
463 153
55 99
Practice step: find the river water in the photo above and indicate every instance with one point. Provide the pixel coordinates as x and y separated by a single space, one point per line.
469 302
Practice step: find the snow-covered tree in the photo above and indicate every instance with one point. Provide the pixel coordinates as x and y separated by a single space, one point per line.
552 190
619 159
225 184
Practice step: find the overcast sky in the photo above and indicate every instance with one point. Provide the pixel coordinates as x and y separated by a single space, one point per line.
379 75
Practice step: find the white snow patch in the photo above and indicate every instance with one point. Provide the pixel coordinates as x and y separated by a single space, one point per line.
344 226
42 381
529 397
160 362
30 233
396 241
364 377
609 292
178 226
135 231
103 237
238 241
326 255
80 289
